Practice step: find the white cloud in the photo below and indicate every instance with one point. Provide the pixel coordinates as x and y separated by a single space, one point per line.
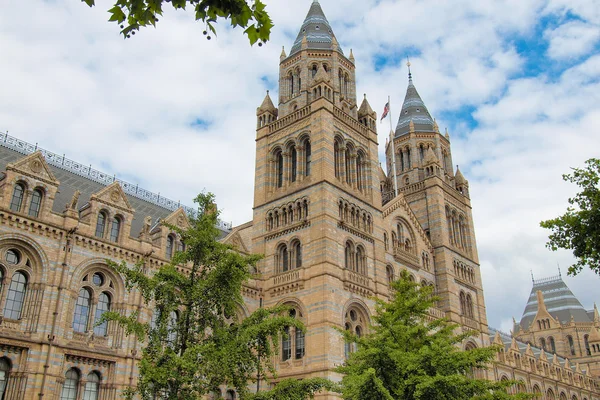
72 84
572 39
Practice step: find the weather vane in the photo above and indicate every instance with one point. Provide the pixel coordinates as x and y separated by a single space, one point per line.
408 65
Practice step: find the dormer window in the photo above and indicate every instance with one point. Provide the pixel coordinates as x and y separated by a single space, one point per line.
169 250
317 27
17 198
36 203
115 229
418 110
101 224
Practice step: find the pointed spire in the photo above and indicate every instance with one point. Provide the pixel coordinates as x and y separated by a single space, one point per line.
528 350
555 360
321 76
513 345
594 335
459 179
498 339
596 315
316 30
430 157
577 368
447 134
365 108
351 58
411 126
283 55
436 128
413 109
267 106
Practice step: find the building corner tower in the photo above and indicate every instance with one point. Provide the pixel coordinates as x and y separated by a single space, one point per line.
441 202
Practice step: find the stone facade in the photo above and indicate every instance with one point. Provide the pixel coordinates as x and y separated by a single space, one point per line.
335 229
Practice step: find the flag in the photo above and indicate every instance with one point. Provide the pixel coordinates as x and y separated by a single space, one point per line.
386 110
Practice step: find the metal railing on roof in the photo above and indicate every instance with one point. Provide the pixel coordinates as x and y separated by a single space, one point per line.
546 280
92 174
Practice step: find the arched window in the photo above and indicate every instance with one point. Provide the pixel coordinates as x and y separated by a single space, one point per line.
349 256
356 322
115 229
69 390
4 373
16 296
82 311
389 271
169 250
585 341
102 307
297 251
92 386
469 306
314 70
543 343
230 395
550 395
101 224
293 339
359 172
279 158
463 303
283 264
17 197
348 166
360 265
308 157
36 203
294 161
172 328
336 159
552 344
385 240
571 345
563 396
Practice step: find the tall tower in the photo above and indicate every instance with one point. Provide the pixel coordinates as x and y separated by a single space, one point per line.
440 200
317 201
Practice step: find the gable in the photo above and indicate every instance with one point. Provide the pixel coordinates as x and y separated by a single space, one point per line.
113 195
34 166
178 218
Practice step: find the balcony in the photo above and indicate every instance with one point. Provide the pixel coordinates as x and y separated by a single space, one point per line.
402 255
357 283
469 322
287 282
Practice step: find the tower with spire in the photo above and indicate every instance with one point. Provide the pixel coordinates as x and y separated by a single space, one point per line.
440 200
317 202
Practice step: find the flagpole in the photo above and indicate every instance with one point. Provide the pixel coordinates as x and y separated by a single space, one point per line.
393 150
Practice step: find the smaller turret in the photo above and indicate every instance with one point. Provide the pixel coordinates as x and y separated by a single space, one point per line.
366 115
283 55
266 113
462 185
351 58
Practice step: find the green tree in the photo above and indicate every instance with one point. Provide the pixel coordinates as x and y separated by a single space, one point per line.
193 342
407 356
579 228
131 15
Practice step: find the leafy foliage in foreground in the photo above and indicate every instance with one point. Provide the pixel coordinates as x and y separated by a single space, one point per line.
194 343
579 228
406 356
131 15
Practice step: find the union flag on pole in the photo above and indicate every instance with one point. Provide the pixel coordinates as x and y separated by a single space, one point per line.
386 110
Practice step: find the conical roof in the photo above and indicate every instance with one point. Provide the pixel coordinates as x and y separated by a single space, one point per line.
365 107
459 178
560 302
413 109
267 105
317 30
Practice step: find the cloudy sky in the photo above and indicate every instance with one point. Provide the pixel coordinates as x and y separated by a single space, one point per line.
517 83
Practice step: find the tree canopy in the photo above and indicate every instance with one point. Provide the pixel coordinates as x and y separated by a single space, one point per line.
578 229
407 355
193 342
251 15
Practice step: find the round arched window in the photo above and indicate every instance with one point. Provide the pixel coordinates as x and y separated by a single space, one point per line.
13 256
